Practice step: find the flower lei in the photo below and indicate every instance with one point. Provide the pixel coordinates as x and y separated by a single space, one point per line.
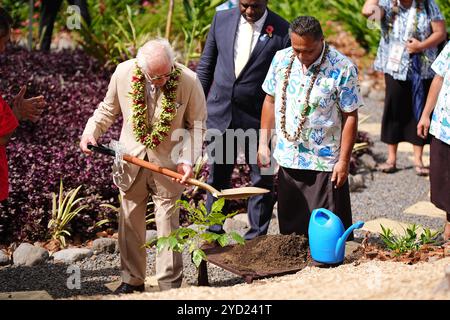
152 135
396 10
306 107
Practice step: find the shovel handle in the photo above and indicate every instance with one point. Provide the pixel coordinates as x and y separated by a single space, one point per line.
168 172
153 167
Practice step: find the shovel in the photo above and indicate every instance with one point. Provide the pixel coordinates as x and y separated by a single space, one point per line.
237 193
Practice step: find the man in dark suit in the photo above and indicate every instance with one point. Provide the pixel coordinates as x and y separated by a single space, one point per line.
238 52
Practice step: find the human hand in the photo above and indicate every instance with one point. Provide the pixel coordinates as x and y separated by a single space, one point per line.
340 173
85 140
186 171
263 158
423 126
28 109
414 46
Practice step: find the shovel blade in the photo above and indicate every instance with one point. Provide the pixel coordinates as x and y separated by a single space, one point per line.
241 193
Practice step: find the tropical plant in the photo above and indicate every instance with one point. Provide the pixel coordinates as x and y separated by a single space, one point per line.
349 14
199 17
410 240
194 238
149 217
111 47
63 211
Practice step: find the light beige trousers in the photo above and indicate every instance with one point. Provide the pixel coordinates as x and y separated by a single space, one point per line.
132 230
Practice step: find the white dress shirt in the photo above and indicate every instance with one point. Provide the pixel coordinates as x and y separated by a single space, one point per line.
258 25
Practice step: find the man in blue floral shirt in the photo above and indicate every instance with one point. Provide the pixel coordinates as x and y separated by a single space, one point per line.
312 101
439 101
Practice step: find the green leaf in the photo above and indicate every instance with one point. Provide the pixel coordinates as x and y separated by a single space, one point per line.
237 237
223 240
198 256
162 243
217 206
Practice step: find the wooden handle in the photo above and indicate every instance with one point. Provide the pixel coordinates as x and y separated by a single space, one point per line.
169 173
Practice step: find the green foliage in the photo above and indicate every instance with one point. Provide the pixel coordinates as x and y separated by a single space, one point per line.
409 241
112 39
349 13
18 10
290 10
191 239
199 14
445 9
63 211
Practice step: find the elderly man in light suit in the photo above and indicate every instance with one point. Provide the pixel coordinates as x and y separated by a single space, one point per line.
156 62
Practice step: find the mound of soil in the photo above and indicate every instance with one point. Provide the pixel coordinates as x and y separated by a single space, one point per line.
270 253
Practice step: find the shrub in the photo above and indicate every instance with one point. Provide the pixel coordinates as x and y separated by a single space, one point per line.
42 154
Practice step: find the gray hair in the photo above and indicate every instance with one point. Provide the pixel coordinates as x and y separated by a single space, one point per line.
307 26
154 51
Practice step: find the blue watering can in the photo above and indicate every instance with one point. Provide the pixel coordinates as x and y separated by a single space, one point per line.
327 236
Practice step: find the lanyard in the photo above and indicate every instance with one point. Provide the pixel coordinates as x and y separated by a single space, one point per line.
410 24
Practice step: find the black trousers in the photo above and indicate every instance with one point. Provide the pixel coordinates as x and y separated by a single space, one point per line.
302 191
49 11
259 208
440 175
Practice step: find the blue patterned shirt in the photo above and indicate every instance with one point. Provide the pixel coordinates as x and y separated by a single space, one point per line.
336 90
440 121
424 30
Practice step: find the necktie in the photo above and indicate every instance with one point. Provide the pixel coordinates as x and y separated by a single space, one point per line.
244 47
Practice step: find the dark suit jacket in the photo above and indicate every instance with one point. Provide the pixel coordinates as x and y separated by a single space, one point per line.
237 101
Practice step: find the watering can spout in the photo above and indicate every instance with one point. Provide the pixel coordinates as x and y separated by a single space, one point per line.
340 246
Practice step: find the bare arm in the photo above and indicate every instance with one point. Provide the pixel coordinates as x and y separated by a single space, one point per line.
372 8
349 132
267 124
424 124
439 34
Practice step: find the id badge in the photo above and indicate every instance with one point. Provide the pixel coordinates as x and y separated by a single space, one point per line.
395 56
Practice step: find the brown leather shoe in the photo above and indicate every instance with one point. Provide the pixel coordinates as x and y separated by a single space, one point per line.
125 288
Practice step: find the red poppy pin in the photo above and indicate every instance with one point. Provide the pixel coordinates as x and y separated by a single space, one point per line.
269 30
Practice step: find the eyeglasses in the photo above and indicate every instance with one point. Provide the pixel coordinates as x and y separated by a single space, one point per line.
159 77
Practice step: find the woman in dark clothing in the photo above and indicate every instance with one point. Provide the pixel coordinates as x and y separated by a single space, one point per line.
411 33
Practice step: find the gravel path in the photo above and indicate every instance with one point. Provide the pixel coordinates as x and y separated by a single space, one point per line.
385 196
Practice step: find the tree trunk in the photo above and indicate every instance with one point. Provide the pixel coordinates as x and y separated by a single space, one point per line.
169 19
30 26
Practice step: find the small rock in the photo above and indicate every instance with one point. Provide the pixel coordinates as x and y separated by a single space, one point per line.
29 255
72 255
4 258
106 245
233 225
368 161
150 234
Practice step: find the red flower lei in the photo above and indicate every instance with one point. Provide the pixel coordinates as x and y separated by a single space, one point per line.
152 135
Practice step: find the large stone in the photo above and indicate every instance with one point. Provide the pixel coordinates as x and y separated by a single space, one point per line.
368 161
72 255
28 255
356 182
4 258
105 245
242 217
150 235
233 225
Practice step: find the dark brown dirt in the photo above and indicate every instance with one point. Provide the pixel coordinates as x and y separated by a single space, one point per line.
270 253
